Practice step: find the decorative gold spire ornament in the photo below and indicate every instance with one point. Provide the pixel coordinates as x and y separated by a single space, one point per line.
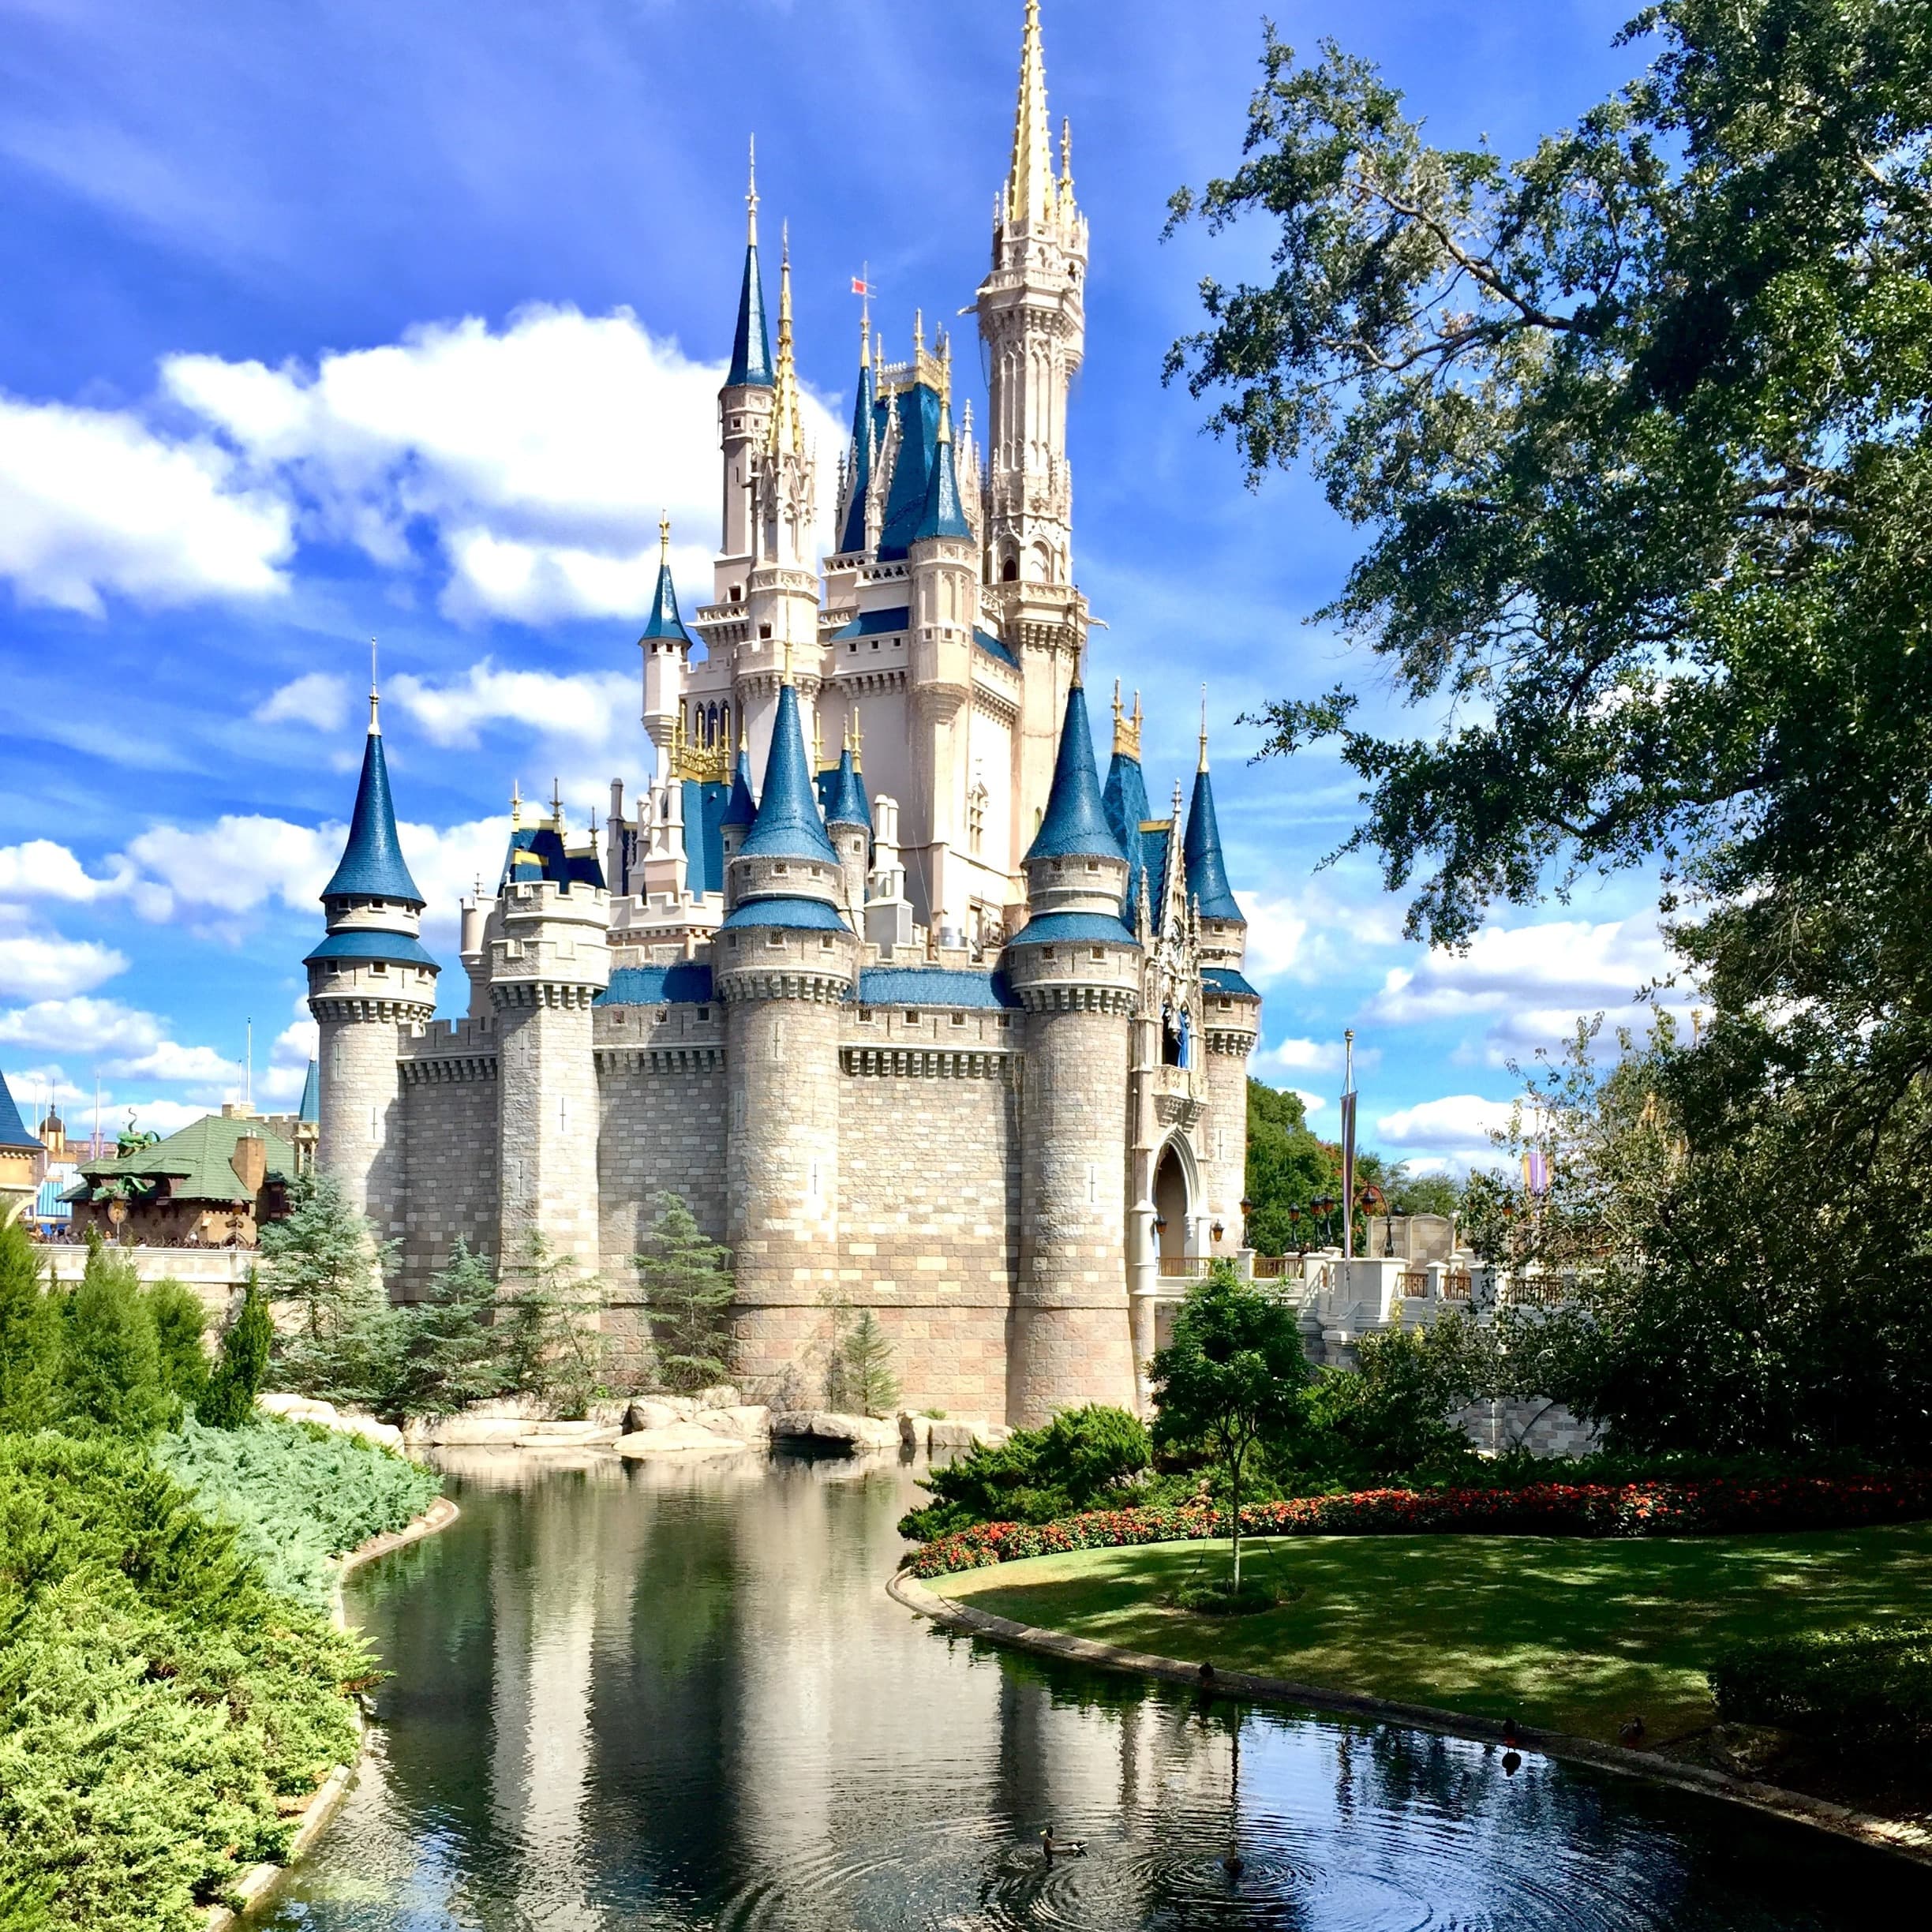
788 429
1202 765
1030 183
374 729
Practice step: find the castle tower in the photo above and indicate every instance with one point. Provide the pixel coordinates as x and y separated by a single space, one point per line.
666 645
549 958
744 412
945 609
858 522
1076 968
1032 317
370 979
1231 1008
782 587
783 963
740 815
848 823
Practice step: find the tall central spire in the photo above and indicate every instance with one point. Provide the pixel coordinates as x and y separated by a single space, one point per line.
751 363
1030 182
788 428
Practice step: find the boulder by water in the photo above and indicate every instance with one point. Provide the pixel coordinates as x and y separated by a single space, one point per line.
850 1432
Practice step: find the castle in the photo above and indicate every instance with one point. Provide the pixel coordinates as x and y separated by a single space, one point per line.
935 1024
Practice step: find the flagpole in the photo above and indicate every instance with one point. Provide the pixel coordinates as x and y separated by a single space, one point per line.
1348 1146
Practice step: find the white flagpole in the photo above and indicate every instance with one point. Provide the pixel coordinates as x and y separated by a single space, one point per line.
1348 1147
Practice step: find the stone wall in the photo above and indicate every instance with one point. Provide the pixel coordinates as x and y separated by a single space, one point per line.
449 1136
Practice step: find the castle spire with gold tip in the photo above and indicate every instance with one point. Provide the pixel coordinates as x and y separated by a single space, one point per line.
1030 185
788 428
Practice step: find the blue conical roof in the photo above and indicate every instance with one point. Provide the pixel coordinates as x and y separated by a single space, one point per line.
741 811
853 536
372 862
1207 877
663 620
311 1107
848 804
942 514
1075 825
13 1128
1126 800
751 359
787 825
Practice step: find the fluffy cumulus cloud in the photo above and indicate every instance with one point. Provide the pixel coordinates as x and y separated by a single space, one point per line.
1457 1127
40 869
94 503
532 461
320 700
36 964
593 709
81 1026
1528 984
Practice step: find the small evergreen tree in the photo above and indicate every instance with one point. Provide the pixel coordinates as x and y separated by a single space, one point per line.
687 1285
228 1400
871 1387
552 1347
324 1258
112 1369
448 1356
30 1338
175 1311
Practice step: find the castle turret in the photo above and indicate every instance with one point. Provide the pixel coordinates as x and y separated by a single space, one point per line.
549 958
849 824
1230 1006
744 411
783 961
858 530
1075 968
666 645
370 979
740 815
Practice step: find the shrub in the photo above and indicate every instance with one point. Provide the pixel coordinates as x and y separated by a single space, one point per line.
858 1376
547 1326
228 1400
1036 1475
441 1353
1869 1686
687 1282
30 1337
110 1369
175 1311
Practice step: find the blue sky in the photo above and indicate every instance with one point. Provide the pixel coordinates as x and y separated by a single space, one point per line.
325 320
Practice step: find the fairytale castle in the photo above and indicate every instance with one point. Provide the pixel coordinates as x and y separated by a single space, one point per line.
917 1015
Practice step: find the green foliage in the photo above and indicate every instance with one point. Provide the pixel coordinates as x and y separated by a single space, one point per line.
156 1697
228 1400
175 1311
296 1494
687 1283
322 1258
434 1357
552 1347
1854 1689
30 1338
1287 1167
1233 1375
858 1376
1424 1194
1389 1417
110 1367
1071 1463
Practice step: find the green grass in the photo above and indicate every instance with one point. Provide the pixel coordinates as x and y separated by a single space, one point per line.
1573 1634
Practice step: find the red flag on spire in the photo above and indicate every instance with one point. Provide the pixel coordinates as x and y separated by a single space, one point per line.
859 286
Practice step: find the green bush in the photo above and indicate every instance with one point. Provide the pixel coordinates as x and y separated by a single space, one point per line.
1069 1465
228 1400
295 1494
110 1367
175 1310
1869 1686
156 1698
30 1338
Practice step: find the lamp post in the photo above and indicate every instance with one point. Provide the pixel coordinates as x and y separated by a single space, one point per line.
1323 1205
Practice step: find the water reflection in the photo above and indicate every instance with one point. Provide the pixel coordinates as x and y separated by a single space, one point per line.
655 1696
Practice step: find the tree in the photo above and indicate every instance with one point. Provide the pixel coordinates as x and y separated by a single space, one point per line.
687 1285
1423 1194
1233 1375
325 1258
175 1311
866 1382
1390 1416
446 1354
1288 1166
30 1338
552 1349
228 1400
111 1372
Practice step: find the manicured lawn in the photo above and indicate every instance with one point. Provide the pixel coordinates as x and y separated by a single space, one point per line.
1571 1633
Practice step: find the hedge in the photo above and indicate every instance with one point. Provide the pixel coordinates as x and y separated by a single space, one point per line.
1703 1508
1869 1686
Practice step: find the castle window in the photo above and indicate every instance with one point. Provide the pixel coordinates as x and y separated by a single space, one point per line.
779 872
975 813
704 1012
912 1018
1227 1005
734 943
1006 1021
775 939
737 592
1009 570
958 1018
378 966
764 630
865 1016
825 943
1046 952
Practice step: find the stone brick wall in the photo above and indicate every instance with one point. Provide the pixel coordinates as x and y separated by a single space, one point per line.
359 1111
450 1140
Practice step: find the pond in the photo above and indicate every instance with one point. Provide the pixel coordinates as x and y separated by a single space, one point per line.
663 1696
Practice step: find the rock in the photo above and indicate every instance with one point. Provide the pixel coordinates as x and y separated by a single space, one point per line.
651 1413
752 1421
680 1438
724 1396
847 1431
566 1435
608 1415
471 1430
967 1435
326 1415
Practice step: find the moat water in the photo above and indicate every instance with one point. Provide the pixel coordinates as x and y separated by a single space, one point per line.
638 1696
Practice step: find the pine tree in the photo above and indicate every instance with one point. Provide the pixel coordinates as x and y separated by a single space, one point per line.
112 1370
228 1400
552 1348
324 1258
688 1286
450 1354
870 1386
178 1321
30 1338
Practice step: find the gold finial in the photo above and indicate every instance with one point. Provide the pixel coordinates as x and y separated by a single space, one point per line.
744 741
1066 157
1029 183
787 658
1202 765
516 806
788 432
1117 705
818 763
865 334
664 535
751 196
1126 735
918 332
857 735
374 729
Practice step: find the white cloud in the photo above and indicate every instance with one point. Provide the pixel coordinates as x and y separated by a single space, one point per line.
320 700
1311 1103
40 869
1300 1056
296 1045
1457 1127
540 456
35 965
598 707
93 501
81 1026
237 863
1278 932
199 1066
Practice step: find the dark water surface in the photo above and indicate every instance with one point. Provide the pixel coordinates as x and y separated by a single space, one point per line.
647 1696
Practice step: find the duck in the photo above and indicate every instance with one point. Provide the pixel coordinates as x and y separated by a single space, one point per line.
1511 1736
1233 1864
1630 1732
1062 1847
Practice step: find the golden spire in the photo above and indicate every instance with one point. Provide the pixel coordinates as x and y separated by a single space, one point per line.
1126 735
818 763
1202 765
918 332
787 658
1030 182
1066 160
788 429
664 535
751 197
857 734
516 806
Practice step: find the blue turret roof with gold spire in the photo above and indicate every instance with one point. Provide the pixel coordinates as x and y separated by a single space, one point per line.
942 514
663 623
787 825
1207 875
741 810
751 357
1075 823
372 865
846 803
864 437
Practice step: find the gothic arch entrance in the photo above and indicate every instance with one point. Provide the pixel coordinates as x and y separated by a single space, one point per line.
1175 1188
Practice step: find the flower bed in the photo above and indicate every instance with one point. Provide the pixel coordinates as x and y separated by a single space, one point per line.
1706 1508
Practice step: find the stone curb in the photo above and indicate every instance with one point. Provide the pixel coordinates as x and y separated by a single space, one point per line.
1880 1833
259 1882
